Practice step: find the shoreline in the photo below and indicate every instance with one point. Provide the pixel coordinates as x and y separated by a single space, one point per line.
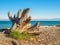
40 26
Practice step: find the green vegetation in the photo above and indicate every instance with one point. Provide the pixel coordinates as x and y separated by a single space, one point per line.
17 35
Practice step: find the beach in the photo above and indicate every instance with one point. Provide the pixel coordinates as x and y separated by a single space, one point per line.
29 22
49 35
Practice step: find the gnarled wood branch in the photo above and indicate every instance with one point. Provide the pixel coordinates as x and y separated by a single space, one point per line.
20 22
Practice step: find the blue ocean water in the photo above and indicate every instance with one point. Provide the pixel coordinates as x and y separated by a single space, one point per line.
8 24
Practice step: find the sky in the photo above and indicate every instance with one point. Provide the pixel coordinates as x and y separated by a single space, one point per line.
39 9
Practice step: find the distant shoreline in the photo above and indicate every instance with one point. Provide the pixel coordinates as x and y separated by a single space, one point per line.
31 20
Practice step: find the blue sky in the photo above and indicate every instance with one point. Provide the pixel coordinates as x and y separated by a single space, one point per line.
39 9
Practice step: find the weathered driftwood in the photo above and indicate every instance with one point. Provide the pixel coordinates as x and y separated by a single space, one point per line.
20 22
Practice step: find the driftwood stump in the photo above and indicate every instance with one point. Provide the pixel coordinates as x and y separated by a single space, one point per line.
20 22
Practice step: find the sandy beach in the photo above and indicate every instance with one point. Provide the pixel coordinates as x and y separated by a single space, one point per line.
49 35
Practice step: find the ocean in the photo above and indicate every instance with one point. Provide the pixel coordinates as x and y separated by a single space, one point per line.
8 24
